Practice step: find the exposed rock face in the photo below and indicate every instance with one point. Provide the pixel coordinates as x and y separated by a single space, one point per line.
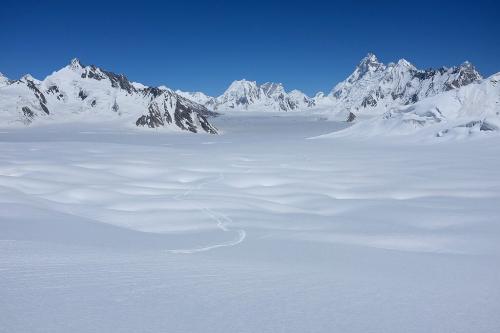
456 113
374 86
248 95
166 107
351 117
78 91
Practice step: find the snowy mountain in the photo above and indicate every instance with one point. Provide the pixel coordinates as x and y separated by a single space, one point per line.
376 87
198 97
373 87
468 110
248 95
3 80
78 92
397 97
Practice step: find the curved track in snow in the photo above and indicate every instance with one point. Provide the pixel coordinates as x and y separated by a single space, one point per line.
223 221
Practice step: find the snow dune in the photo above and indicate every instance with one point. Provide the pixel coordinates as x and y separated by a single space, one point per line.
255 230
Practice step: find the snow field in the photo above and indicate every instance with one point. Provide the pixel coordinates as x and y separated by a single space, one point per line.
256 230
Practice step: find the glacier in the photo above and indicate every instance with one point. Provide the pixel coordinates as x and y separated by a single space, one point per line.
369 208
255 230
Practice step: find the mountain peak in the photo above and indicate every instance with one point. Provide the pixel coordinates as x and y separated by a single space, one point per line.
468 66
369 61
368 64
243 82
99 94
75 63
369 58
28 77
405 63
242 86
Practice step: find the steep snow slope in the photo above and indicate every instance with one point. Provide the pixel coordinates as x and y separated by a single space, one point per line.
459 112
248 95
78 92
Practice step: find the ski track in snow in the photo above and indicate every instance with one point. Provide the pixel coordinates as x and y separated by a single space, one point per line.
331 235
222 221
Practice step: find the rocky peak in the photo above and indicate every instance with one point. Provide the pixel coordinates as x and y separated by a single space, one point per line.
463 75
241 87
100 94
469 69
29 78
467 65
240 92
368 64
403 63
76 64
96 73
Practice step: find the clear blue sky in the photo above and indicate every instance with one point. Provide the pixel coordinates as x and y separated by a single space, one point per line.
195 45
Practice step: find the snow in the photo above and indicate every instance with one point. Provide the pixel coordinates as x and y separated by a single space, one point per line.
374 87
382 99
244 95
470 111
106 228
93 95
197 97
3 80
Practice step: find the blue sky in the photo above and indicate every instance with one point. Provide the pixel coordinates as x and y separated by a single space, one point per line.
205 45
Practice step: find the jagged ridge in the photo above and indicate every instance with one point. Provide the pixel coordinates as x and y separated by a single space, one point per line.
248 95
91 93
376 87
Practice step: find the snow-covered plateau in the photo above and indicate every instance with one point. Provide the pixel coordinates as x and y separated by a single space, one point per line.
260 229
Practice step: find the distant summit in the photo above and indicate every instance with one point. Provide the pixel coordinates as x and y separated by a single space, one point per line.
376 87
244 95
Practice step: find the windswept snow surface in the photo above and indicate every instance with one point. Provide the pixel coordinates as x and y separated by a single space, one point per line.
254 230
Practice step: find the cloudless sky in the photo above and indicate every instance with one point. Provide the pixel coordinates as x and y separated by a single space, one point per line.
205 45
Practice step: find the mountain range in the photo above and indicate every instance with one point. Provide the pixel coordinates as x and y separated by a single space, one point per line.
372 85
89 93
384 92
246 95
456 113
